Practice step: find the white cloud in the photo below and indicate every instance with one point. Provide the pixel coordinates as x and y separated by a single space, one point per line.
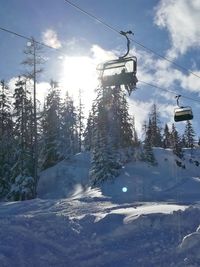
49 37
156 71
191 83
161 73
181 19
101 55
167 112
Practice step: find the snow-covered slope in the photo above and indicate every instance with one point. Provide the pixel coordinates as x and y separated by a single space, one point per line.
138 180
171 179
86 232
61 180
72 225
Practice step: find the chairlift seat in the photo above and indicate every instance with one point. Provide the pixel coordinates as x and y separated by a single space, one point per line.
127 78
183 114
118 63
118 72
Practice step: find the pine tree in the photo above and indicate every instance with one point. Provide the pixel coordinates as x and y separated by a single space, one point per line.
156 138
88 133
147 154
51 128
126 125
69 134
183 141
119 118
136 141
166 137
189 135
176 142
6 139
104 165
23 183
148 132
80 124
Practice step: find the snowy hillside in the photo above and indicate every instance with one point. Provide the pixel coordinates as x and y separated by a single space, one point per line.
170 179
149 216
59 181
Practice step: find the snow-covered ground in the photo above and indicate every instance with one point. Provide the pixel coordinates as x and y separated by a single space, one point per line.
148 217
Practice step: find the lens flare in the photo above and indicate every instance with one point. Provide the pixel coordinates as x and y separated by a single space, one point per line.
124 189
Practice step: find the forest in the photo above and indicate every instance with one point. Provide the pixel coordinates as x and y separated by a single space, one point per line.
35 136
30 144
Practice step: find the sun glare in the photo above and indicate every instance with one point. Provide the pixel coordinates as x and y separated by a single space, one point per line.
79 73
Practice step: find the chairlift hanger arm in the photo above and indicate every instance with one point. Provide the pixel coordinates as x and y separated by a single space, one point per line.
123 70
177 100
128 42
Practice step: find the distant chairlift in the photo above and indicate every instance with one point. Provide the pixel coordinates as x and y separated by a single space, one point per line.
121 71
182 113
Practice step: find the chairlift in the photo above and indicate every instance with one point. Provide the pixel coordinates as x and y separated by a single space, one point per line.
121 71
182 113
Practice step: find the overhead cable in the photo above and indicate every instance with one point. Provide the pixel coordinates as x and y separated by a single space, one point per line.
26 38
57 50
169 91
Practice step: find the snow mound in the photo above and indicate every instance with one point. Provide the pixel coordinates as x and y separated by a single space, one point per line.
61 180
171 179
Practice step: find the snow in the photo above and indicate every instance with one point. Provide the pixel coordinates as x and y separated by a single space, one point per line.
165 181
133 212
154 222
59 181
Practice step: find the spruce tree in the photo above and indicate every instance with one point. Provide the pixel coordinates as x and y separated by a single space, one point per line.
189 135
119 118
104 164
88 133
126 126
148 132
183 141
176 142
147 154
80 124
69 133
23 183
51 128
166 137
6 139
156 138
136 141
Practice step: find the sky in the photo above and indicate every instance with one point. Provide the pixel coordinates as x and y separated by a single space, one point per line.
169 27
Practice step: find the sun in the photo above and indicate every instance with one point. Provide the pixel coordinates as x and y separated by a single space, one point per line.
79 73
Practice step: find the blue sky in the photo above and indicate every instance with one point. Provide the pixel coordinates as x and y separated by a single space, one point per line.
169 27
